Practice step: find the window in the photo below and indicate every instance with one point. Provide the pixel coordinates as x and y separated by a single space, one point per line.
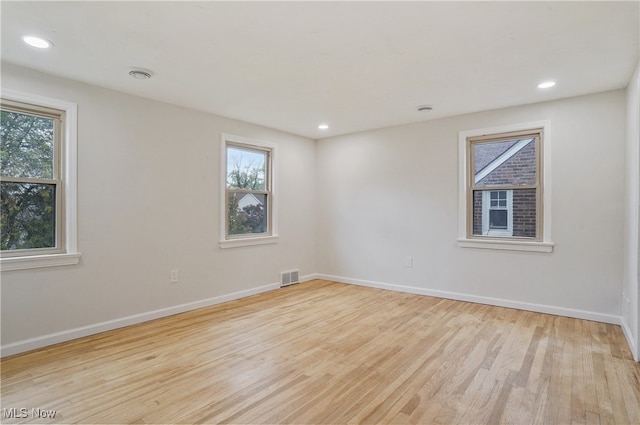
497 213
37 183
248 216
500 166
503 204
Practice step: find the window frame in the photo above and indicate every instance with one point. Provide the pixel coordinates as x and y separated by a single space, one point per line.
66 252
57 116
250 239
466 239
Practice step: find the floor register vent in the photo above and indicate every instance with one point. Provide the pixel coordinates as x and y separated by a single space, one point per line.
289 278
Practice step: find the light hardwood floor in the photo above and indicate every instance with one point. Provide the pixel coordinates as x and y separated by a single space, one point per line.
328 353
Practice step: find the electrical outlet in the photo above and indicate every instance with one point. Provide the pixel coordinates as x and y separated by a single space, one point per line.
174 276
408 261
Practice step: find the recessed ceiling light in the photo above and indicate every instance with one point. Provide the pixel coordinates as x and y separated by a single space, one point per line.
424 108
546 84
38 42
140 74
323 126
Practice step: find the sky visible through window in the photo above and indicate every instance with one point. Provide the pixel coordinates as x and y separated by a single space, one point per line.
247 162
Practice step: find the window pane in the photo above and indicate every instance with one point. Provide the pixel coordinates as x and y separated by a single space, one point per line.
28 216
247 213
246 169
26 145
524 213
498 219
477 212
505 163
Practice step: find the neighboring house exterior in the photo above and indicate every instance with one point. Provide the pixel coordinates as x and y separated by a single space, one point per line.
249 214
505 212
246 200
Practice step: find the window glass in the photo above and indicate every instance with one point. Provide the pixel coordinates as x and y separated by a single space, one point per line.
498 219
525 203
505 163
26 145
246 169
30 187
28 216
247 213
248 191
504 185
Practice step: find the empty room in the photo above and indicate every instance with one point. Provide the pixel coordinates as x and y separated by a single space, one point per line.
320 212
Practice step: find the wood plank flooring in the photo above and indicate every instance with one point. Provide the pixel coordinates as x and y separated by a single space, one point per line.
328 353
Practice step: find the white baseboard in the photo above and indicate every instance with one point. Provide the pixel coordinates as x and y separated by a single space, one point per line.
499 302
309 277
67 335
631 341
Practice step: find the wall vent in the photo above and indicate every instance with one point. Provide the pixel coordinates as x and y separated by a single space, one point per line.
289 278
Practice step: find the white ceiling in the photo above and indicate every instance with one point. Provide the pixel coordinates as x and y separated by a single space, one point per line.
353 65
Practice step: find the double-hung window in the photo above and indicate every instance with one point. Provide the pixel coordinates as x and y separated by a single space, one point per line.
249 202
37 182
503 197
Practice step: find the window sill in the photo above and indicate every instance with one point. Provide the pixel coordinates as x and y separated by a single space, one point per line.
507 245
235 243
39 261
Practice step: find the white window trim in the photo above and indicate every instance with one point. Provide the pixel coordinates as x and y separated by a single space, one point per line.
250 240
69 140
546 245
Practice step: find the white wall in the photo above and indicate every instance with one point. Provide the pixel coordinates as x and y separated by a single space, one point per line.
148 203
630 293
390 193
351 207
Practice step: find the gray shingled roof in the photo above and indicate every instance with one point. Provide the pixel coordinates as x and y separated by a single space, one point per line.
486 153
